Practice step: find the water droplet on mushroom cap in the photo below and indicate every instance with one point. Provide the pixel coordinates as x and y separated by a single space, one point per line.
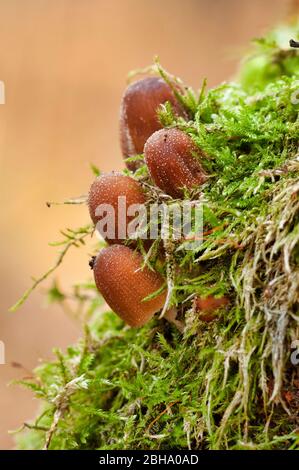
124 285
170 156
138 114
107 189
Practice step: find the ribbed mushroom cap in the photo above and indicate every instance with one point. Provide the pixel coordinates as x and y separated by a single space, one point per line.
123 285
106 189
169 155
138 114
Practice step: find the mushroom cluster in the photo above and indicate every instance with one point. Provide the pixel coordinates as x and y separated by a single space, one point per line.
132 290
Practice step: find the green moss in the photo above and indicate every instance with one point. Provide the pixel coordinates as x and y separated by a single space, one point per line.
228 383
271 59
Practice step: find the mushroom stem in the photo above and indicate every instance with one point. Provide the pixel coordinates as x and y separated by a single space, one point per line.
169 248
171 315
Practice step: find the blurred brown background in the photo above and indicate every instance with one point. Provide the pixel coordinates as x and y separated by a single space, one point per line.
64 64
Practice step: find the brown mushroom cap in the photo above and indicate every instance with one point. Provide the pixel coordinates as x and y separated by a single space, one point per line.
105 190
124 285
169 155
207 306
138 114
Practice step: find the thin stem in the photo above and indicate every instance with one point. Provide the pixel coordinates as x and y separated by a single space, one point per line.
72 242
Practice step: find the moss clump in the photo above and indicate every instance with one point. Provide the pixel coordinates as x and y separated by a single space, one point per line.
225 384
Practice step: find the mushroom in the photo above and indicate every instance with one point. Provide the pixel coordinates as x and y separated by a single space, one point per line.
207 306
138 114
106 190
124 284
172 160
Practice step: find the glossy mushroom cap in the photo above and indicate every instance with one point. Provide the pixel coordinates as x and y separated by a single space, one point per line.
107 189
138 114
124 285
171 157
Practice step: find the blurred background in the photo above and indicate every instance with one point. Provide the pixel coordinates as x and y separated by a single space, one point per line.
64 64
